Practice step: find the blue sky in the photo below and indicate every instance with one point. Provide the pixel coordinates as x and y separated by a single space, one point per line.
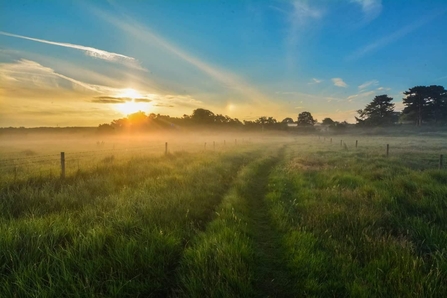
71 63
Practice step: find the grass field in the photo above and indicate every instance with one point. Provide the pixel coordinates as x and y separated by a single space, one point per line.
269 217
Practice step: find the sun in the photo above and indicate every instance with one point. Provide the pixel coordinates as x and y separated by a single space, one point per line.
134 102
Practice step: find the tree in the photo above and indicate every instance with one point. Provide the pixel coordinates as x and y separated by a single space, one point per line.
425 103
380 111
306 119
202 116
287 120
328 121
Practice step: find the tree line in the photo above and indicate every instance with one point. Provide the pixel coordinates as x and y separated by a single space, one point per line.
423 104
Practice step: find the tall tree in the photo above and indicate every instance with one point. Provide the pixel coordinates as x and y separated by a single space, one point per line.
378 112
306 119
425 103
287 120
328 121
202 116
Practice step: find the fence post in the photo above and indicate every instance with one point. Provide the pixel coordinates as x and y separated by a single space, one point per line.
440 161
204 146
331 140
166 148
356 143
214 145
63 165
387 150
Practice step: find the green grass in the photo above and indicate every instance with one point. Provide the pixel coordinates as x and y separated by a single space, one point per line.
275 218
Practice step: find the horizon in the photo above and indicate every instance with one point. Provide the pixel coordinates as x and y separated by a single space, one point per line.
91 63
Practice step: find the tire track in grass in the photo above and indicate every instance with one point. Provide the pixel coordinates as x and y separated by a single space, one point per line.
272 278
239 254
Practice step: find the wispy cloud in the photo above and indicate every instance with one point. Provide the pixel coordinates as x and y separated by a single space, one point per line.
371 8
24 77
361 95
384 41
315 81
113 99
302 12
368 84
92 52
339 82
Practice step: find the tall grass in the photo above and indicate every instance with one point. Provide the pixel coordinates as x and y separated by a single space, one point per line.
272 219
361 227
117 231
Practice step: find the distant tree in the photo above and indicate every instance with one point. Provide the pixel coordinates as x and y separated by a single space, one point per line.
138 119
287 120
202 116
425 103
380 111
105 128
306 119
328 121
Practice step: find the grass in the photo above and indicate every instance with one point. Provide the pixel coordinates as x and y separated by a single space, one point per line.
274 218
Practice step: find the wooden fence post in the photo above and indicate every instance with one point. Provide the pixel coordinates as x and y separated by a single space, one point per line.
440 161
63 165
166 148
331 140
356 143
387 150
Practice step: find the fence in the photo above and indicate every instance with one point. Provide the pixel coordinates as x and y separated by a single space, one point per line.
65 162
388 149
60 164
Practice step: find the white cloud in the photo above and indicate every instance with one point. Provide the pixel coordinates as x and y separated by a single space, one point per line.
360 95
368 84
370 8
383 89
339 82
302 12
315 81
92 52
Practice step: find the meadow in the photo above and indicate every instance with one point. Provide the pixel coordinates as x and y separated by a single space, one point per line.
242 216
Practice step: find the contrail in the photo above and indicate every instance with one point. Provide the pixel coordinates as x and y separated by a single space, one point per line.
97 53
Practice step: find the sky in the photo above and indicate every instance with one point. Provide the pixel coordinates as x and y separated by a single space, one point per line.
83 63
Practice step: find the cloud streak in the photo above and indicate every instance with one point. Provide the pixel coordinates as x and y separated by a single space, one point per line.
89 51
117 99
228 79
368 84
370 8
384 41
339 82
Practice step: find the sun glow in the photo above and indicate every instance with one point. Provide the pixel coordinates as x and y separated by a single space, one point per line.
134 102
